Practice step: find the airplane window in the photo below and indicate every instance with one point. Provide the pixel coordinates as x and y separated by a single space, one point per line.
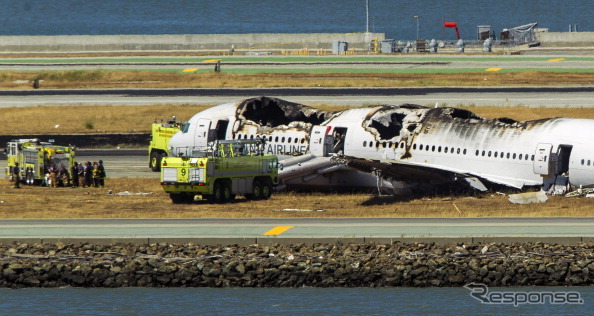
514 156
495 154
458 151
303 140
526 155
588 162
401 144
532 157
377 145
582 162
364 143
483 153
445 150
477 152
489 153
276 139
420 146
282 140
251 136
433 148
507 155
464 152
439 149
427 147
238 136
185 128
289 140
384 145
370 144
296 140
520 157
269 138
415 146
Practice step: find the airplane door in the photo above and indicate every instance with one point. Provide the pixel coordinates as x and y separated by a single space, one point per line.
338 140
318 141
542 159
202 130
222 129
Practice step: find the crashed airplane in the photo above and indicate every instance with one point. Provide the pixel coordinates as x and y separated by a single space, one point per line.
405 148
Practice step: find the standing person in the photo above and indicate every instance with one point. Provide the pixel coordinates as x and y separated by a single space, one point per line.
16 175
96 174
102 174
81 174
88 174
53 176
64 177
74 174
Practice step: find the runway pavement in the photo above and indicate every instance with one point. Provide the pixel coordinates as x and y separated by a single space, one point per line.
443 96
301 230
563 60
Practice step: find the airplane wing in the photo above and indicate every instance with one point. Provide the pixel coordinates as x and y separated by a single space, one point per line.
418 173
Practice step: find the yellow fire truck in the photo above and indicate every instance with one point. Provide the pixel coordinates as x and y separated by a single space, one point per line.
35 159
161 133
220 172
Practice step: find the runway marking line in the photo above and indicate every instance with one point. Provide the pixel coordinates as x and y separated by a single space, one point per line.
211 60
556 59
492 69
190 69
278 230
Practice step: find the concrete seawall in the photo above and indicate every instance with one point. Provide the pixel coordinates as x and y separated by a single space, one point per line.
223 42
190 42
566 39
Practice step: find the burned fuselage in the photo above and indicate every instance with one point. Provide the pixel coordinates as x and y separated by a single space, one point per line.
285 125
501 151
408 143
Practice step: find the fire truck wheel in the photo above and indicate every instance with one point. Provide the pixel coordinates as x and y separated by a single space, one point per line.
219 194
155 163
256 191
227 196
176 198
210 198
266 191
188 198
29 178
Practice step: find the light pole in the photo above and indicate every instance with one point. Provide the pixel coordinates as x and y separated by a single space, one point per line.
417 18
367 15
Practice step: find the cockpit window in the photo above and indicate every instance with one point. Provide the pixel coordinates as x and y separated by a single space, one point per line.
185 128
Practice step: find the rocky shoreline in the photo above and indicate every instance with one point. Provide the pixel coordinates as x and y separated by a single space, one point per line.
318 265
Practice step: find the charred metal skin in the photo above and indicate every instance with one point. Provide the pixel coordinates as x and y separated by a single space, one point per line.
407 144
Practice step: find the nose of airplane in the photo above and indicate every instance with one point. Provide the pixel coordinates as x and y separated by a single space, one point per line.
175 143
